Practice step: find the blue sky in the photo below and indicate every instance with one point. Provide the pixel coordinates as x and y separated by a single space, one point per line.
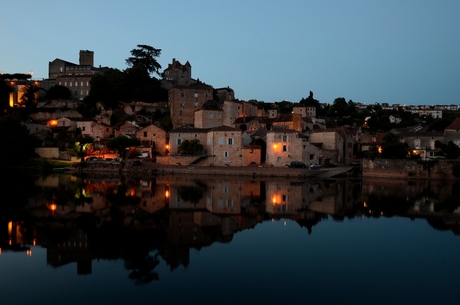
405 52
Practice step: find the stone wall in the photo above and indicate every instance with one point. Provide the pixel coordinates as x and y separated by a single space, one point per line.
385 168
48 152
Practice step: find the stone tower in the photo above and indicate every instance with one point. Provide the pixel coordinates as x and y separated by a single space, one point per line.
86 58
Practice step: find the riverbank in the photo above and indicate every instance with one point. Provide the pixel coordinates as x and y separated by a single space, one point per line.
147 169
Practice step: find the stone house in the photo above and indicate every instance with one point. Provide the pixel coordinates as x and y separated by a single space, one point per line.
65 122
37 128
224 146
101 131
154 138
304 111
186 132
290 121
127 128
332 145
210 115
225 94
422 143
232 110
84 126
251 155
184 101
283 146
250 123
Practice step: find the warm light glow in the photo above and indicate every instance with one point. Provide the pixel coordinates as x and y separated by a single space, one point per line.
34 242
0 250
167 146
167 194
365 204
11 100
53 123
10 242
284 223
53 207
10 228
380 149
29 252
133 192
274 200
275 146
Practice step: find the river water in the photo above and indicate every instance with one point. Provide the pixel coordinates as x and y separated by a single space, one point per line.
175 240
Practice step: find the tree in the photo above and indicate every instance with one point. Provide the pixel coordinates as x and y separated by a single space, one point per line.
28 97
122 143
392 148
81 146
145 56
191 147
58 92
16 145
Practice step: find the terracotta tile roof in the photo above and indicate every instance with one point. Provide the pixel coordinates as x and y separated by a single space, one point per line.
455 125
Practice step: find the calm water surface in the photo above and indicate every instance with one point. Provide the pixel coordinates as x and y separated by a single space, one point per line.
173 241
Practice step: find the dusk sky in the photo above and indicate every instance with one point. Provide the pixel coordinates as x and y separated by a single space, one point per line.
396 52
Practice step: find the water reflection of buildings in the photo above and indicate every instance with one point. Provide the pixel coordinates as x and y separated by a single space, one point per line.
79 220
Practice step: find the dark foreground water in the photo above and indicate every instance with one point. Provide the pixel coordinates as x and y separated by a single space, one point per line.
66 240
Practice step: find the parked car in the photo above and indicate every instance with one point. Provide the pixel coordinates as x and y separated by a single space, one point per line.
330 165
297 164
315 166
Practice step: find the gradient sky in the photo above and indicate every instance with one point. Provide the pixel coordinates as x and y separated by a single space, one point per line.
405 52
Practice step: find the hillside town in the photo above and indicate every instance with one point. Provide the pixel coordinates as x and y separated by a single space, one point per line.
207 126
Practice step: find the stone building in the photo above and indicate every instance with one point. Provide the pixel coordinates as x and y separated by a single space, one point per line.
225 94
155 139
232 110
224 146
210 115
332 145
304 111
283 147
186 132
76 77
177 74
184 101
287 120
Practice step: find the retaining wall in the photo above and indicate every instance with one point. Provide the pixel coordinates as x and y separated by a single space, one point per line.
385 168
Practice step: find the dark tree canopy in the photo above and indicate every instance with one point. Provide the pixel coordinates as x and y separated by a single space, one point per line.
58 92
145 56
392 148
16 145
121 143
29 96
5 90
191 147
